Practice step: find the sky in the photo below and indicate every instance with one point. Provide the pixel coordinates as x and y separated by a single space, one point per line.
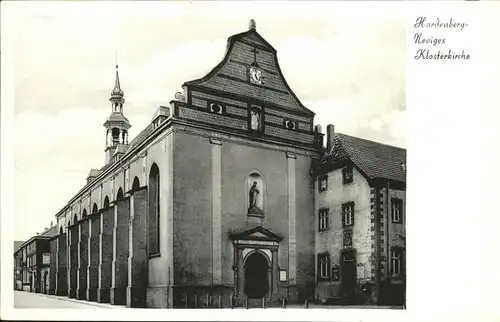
345 61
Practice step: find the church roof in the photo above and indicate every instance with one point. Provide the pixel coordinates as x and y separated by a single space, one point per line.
121 148
375 160
141 136
51 232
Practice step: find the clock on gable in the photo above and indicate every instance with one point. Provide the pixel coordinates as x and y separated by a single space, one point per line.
256 76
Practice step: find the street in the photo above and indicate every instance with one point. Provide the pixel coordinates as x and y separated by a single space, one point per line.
24 300
27 300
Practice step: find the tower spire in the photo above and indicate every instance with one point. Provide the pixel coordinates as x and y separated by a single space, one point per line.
117 124
117 91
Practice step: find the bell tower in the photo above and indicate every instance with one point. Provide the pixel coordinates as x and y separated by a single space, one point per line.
117 124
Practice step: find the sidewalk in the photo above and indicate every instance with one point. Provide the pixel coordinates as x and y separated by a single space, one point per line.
345 307
67 299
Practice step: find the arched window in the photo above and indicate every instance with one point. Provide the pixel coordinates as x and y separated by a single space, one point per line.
115 134
60 230
75 219
94 208
84 213
106 202
154 210
136 184
119 195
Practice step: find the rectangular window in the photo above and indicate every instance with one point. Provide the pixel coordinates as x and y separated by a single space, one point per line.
323 219
347 175
397 210
396 261
323 183
324 266
348 214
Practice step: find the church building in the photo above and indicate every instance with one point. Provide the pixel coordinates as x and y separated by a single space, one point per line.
219 199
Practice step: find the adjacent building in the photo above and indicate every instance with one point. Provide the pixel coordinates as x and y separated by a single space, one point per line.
32 262
360 202
18 266
223 197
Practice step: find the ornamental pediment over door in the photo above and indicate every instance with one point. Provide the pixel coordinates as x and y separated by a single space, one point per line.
258 233
250 71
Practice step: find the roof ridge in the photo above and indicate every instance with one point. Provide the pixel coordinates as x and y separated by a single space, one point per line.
371 141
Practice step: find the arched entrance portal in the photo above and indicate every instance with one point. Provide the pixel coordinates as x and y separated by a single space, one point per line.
256 273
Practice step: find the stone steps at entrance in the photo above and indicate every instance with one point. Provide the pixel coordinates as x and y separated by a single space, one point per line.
261 303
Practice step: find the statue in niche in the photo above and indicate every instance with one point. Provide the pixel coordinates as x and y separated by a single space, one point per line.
255 120
253 194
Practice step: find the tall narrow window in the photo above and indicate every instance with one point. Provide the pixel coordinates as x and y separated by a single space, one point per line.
397 210
348 214
323 183
119 195
396 261
136 184
154 211
323 219
106 203
323 266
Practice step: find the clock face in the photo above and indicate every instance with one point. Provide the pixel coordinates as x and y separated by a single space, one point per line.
255 75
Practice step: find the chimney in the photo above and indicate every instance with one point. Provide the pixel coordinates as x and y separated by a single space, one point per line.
330 132
318 137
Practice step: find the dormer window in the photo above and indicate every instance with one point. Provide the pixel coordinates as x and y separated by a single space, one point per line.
216 108
323 219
